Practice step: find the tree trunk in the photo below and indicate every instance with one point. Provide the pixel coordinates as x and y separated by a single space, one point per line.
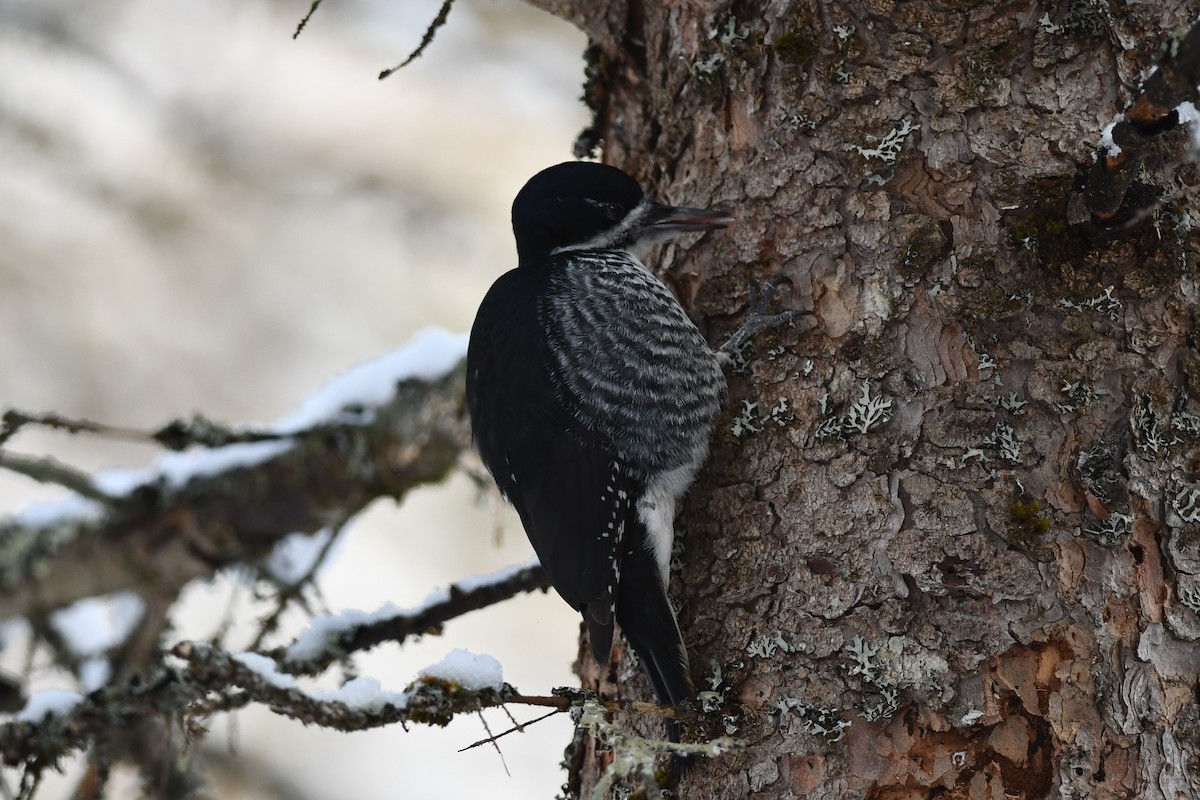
948 544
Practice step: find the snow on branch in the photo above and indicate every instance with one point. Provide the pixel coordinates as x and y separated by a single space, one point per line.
123 545
331 637
195 680
211 680
378 431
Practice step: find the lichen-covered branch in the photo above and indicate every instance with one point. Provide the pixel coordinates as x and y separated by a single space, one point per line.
207 680
224 498
162 533
212 680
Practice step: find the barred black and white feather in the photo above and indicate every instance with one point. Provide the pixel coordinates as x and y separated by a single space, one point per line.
592 399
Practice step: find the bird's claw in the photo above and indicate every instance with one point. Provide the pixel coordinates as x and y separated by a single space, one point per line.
761 294
757 320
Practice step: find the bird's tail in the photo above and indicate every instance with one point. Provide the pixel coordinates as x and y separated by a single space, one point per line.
648 621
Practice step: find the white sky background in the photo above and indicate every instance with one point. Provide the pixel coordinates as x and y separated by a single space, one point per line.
198 214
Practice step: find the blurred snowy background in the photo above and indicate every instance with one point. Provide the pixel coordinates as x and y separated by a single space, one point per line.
199 214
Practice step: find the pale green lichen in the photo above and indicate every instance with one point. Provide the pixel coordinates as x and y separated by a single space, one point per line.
1184 501
26 548
1103 303
635 758
1111 530
1146 427
1004 440
748 421
884 690
867 412
888 149
814 719
905 663
1012 403
767 646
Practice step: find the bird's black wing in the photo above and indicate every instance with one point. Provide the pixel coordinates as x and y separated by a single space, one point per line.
569 488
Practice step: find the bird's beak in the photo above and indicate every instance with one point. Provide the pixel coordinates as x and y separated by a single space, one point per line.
670 219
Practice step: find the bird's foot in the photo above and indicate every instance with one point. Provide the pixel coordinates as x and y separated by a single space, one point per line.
758 319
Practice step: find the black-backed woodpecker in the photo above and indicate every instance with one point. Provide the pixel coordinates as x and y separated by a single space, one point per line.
592 399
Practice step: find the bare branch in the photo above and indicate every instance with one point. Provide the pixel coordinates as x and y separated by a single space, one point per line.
518 727
175 435
426 40
14 420
49 470
312 9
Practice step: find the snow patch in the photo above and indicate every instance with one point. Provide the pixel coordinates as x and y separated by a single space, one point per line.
177 469
46 513
295 555
96 624
469 670
430 354
95 673
325 629
266 668
362 693
1188 115
473 582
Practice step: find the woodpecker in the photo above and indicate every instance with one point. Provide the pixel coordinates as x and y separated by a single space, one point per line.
592 398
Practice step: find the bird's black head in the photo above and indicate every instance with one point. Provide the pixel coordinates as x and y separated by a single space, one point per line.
580 205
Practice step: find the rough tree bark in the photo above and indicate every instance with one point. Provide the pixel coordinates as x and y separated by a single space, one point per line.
948 544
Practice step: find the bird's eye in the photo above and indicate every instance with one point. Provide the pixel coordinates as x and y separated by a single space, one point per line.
612 211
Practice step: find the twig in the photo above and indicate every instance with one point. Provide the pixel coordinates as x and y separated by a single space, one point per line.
401 626
438 22
304 20
49 470
292 591
13 420
178 434
492 737
519 726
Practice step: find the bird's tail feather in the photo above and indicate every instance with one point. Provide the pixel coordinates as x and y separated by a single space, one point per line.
648 622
